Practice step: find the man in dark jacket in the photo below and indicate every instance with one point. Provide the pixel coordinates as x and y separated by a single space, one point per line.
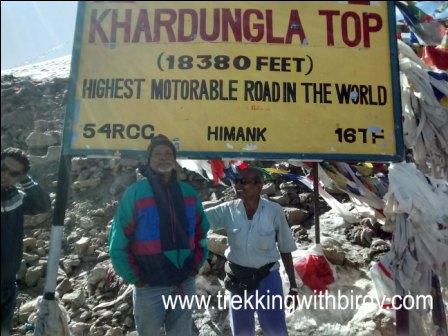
30 199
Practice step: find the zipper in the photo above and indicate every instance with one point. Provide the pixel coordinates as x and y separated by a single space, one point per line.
172 214
173 221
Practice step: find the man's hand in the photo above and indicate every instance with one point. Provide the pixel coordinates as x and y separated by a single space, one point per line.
293 299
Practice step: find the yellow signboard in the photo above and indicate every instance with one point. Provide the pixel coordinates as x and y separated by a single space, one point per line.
309 80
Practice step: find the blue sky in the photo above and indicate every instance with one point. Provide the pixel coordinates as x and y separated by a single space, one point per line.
35 31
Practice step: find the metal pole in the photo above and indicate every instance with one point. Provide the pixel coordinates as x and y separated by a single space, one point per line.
316 201
438 311
58 226
402 314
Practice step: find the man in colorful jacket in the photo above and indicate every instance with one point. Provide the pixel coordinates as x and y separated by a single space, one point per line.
158 242
30 199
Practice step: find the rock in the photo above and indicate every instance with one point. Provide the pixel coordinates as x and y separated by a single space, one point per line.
43 263
29 244
95 331
335 255
82 245
121 182
64 287
79 328
42 237
378 246
33 274
90 253
41 140
305 197
98 174
84 175
71 262
295 216
78 164
41 125
333 251
96 275
124 307
14 121
98 213
75 299
36 220
129 322
102 256
86 184
41 252
52 155
360 235
85 315
330 242
295 201
283 200
217 243
30 258
105 314
288 186
269 189
298 230
365 237
26 309
368 222
86 223
117 331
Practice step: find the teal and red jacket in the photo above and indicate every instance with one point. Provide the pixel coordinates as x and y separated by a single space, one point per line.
158 241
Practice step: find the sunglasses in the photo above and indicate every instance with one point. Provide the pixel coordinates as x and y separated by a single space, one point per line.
245 180
12 173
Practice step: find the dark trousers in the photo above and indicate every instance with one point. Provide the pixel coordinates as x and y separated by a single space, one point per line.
9 296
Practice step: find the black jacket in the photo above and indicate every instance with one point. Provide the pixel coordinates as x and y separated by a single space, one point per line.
16 203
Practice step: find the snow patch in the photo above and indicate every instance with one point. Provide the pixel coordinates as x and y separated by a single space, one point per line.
55 68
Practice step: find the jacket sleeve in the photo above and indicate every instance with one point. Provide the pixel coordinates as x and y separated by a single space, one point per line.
123 225
36 200
200 239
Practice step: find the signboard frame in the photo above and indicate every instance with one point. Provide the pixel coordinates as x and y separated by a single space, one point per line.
73 112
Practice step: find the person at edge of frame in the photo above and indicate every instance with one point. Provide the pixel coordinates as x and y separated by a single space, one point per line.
20 196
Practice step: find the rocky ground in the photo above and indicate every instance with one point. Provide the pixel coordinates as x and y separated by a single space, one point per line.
97 301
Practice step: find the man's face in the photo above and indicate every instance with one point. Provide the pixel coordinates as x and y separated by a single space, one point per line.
162 159
248 184
12 172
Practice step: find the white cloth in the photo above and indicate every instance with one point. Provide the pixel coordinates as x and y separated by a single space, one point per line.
418 207
51 319
425 120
